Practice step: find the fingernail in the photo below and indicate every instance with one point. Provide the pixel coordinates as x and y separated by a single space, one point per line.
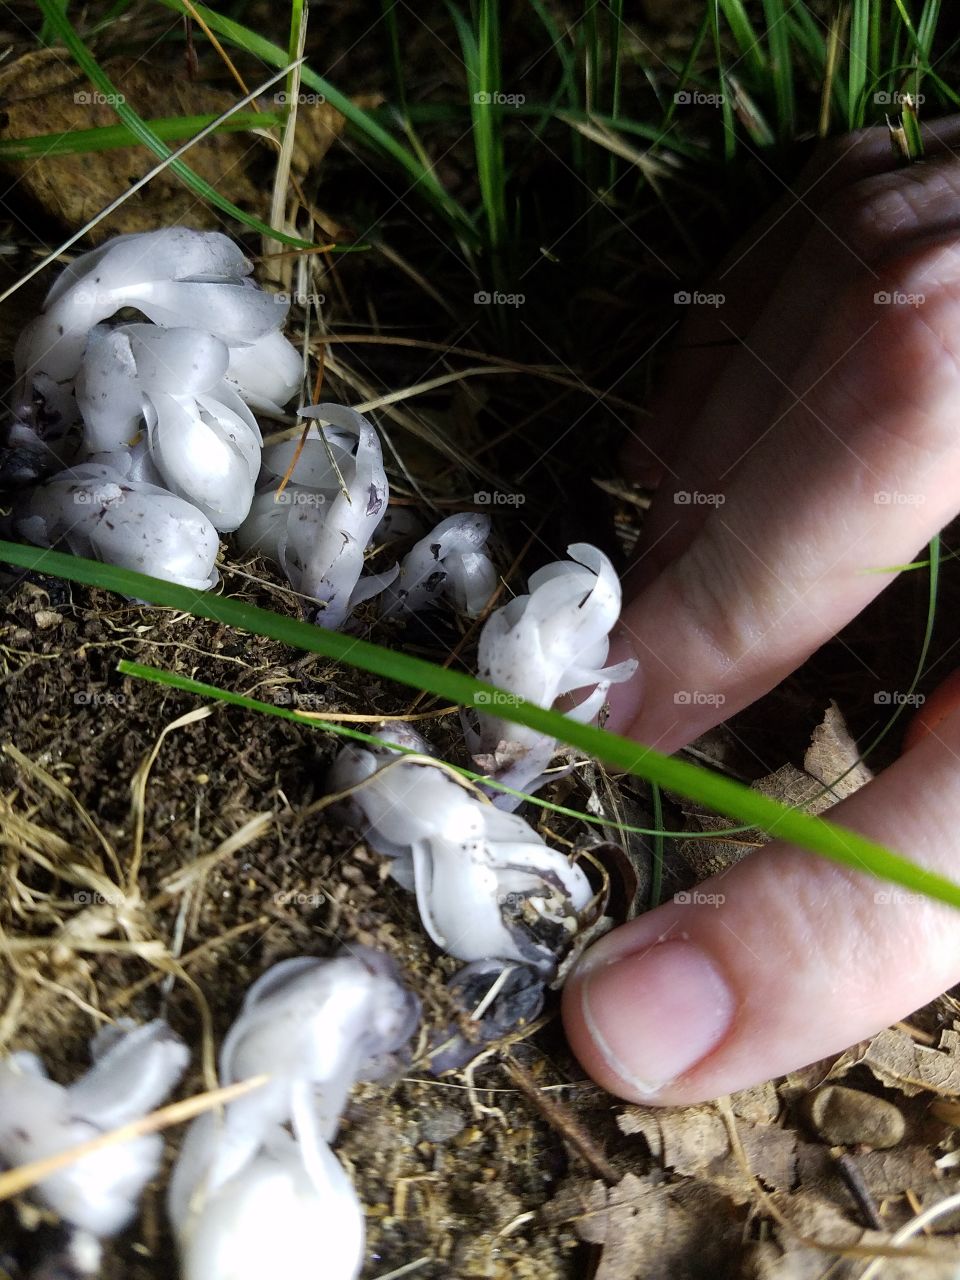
655 1014
623 699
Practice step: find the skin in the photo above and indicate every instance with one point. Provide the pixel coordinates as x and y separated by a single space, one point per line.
829 429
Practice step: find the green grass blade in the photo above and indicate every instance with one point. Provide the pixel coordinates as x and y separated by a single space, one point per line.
780 49
858 63
60 23
110 136
481 58
172 680
729 131
747 38
424 179
716 792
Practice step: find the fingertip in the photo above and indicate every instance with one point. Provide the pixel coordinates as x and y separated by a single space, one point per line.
638 1022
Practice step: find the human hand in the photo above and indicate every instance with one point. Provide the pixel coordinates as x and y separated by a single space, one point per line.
823 444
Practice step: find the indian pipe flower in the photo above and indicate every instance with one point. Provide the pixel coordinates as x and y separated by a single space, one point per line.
203 440
487 885
134 1069
321 540
248 1199
266 373
175 277
450 561
102 513
540 646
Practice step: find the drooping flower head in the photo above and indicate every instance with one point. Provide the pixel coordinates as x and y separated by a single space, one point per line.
487 885
545 644
134 1070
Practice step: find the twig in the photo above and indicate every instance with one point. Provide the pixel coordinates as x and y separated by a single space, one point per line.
560 1118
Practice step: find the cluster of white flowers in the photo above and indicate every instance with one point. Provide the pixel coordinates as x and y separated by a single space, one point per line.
149 430
321 526
250 1197
148 425
550 642
487 885
134 1069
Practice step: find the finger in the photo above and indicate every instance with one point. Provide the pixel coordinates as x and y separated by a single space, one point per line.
848 219
748 275
783 960
856 476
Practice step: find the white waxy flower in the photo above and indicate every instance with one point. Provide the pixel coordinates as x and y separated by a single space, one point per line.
487 885
133 1072
318 1025
175 277
267 373
540 646
319 466
319 530
449 561
103 514
314 1027
276 1217
203 440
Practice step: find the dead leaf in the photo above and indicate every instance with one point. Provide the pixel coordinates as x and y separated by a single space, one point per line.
42 92
695 1141
900 1063
831 762
651 1232
833 758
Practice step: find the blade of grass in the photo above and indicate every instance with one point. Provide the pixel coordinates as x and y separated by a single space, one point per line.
716 792
60 23
858 62
107 137
481 59
726 96
780 50
747 38
158 675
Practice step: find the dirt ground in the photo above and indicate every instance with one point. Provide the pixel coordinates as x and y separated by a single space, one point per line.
521 1167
